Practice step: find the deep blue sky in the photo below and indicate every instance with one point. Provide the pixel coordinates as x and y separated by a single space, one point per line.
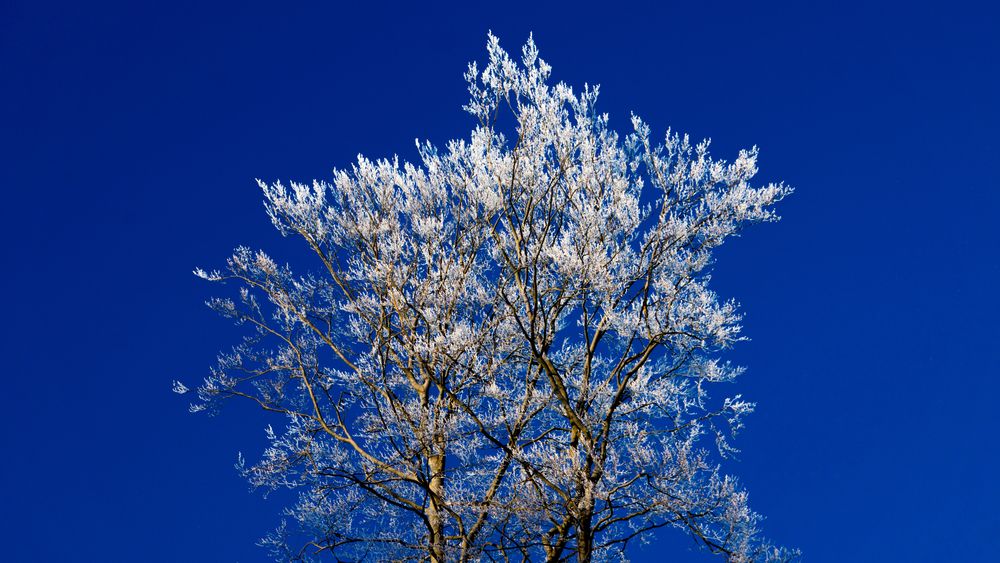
130 136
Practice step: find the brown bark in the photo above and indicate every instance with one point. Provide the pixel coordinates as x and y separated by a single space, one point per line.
435 521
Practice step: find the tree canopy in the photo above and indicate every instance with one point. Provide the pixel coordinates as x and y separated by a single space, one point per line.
505 349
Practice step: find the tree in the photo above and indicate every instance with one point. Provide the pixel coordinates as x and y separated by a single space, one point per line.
504 350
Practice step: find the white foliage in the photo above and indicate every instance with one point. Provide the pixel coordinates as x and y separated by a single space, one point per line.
505 349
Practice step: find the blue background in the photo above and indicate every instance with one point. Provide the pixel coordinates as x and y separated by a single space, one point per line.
131 134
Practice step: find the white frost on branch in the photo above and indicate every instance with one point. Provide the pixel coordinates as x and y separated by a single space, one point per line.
504 349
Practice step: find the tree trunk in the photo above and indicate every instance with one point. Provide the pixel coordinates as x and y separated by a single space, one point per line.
435 520
585 526
585 540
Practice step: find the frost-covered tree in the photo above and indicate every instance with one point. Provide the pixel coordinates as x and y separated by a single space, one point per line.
506 349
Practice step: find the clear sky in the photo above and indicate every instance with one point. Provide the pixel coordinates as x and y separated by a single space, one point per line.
130 137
